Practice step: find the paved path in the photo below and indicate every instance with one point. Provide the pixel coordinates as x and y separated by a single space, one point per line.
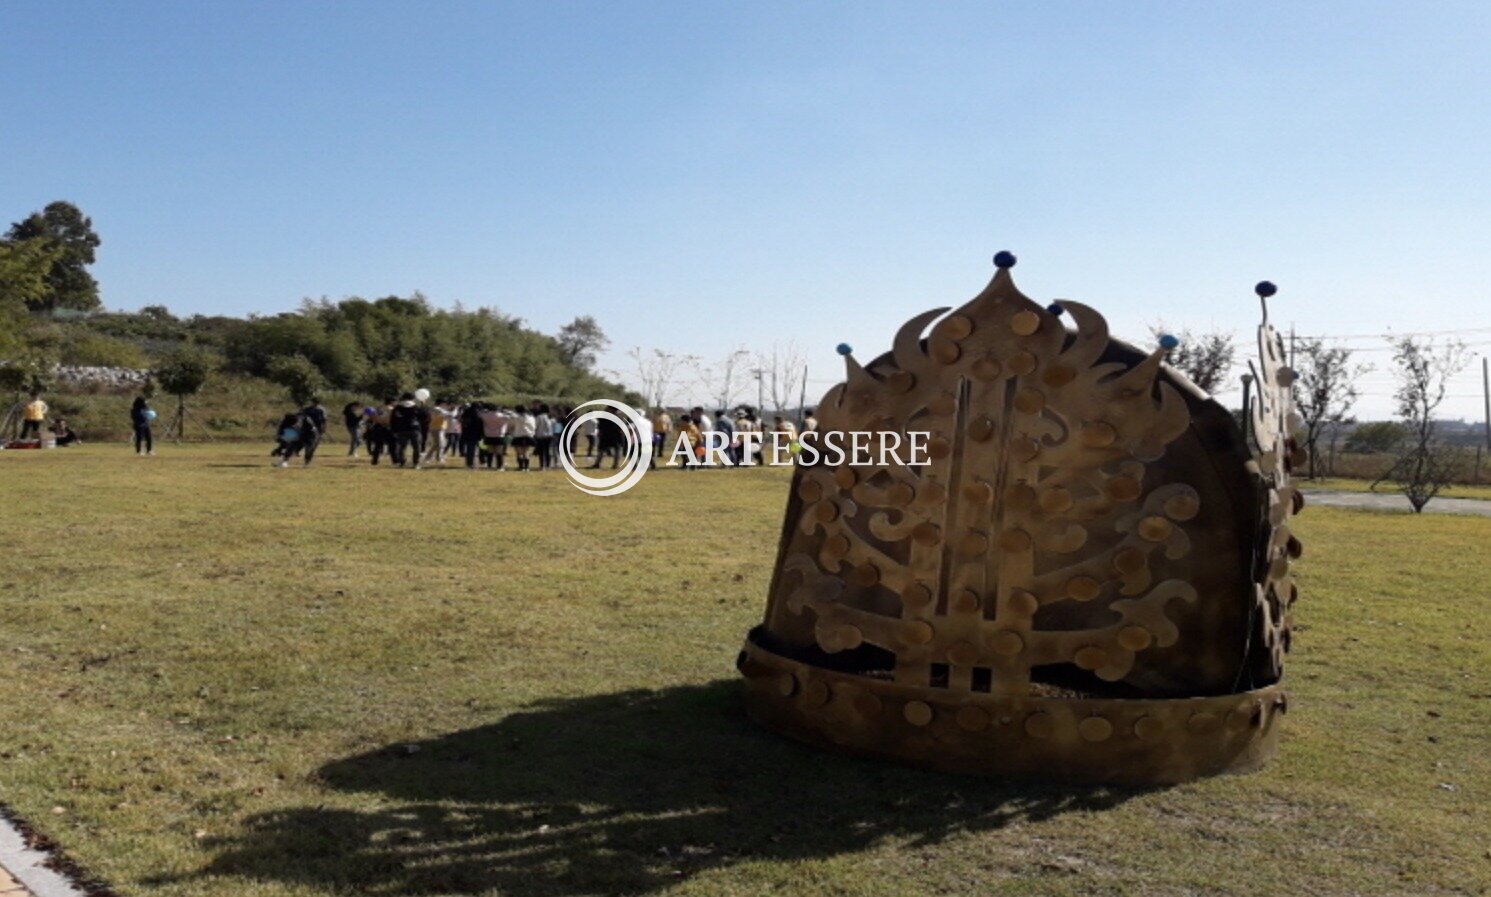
24 872
9 887
1394 501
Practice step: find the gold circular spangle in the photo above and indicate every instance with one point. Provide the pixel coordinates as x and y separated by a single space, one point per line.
1095 728
1025 323
917 713
1006 643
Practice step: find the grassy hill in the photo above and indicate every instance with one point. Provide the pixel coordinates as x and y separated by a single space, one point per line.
353 350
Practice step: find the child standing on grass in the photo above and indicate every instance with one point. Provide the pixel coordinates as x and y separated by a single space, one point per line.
379 439
692 439
470 433
408 423
543 435
140 416
352 419
453 413
493 430
524 425
32 416
440 423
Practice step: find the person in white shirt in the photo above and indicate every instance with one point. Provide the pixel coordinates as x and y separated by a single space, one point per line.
524 425
587 430
746 448
495 424
644 438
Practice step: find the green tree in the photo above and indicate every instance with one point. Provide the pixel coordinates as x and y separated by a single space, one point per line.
1376 438
393 344
581 340
183 373
388 381
297 375
24 266
63 229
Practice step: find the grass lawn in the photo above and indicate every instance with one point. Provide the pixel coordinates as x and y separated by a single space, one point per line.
222 679
1341 484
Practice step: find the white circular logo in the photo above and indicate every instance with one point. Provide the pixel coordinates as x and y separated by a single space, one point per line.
634 459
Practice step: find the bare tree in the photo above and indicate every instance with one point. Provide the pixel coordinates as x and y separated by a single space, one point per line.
656 372
1424 464
1324 391
724 379
1205 358
781 373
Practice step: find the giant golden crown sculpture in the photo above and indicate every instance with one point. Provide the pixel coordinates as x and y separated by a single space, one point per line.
1090 580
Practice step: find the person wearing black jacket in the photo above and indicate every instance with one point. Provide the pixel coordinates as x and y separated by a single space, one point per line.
409 424
140 417
610 441
471 433
352 418
315 412
297 433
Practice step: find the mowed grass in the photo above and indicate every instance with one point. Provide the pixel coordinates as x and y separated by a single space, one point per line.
233 680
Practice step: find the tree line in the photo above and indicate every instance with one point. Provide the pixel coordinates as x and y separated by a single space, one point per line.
50 314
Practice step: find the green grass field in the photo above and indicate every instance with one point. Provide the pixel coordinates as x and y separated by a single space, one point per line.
223 679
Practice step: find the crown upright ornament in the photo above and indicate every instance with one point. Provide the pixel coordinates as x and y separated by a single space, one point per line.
1090 580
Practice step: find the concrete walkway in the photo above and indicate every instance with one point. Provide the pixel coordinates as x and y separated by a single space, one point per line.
9 887
1394 501
24 872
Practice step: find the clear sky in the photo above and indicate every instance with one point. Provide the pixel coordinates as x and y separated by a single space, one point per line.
701 176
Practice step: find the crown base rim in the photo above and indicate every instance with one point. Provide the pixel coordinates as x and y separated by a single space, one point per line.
1013 736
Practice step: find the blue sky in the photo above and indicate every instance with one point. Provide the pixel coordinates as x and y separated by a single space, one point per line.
703 176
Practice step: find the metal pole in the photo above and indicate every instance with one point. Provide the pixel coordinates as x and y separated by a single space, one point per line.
1486 392
802 401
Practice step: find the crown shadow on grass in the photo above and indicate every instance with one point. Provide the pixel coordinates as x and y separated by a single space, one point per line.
613 794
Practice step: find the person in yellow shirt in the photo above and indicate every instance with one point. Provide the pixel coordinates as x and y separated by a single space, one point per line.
688 433
662 425
32 415
441 418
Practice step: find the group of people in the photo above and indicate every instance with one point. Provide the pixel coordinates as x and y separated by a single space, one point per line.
34 412
697 431
411 431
